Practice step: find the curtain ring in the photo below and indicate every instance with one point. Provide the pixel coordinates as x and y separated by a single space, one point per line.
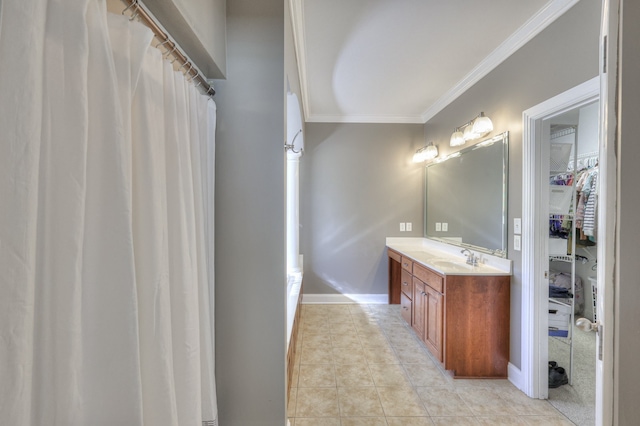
181 66
169 52
189 72
133 3
162 44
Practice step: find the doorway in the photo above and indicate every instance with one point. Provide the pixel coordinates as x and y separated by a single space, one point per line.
570 142
557 113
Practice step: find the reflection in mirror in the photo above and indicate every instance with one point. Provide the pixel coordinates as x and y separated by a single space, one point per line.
466 197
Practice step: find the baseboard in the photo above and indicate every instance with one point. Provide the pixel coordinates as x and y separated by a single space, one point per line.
377 299
515 376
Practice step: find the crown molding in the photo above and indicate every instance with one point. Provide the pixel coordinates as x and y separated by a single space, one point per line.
410 119
538 22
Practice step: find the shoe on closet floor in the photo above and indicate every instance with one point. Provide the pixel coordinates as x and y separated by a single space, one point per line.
557 377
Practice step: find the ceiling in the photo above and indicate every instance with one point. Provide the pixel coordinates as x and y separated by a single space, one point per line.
402 61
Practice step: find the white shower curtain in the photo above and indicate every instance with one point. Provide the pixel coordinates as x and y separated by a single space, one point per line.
106 222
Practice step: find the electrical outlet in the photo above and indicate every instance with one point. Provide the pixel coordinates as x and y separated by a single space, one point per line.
445 226
516 242
402 227
517 226
438 226
409 226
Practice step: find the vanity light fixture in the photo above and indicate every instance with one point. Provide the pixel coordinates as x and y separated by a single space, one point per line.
474 129
425 153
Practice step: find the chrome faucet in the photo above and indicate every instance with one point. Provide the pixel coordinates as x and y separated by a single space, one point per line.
472 259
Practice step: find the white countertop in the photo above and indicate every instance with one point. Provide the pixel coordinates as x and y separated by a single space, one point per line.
448 259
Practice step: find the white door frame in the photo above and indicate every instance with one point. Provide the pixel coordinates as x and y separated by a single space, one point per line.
607 210
534 244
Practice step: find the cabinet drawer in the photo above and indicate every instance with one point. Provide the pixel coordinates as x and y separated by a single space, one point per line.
407 264
405 308
428 277
405 283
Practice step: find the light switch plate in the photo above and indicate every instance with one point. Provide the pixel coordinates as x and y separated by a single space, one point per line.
445 226
402 227
409 226
517 226
516 242
438 226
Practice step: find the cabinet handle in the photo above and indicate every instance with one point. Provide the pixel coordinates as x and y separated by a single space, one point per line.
405 283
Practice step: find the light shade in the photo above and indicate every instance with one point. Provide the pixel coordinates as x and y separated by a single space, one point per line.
428 152
482 125
431 151
457 138
469 134
419 156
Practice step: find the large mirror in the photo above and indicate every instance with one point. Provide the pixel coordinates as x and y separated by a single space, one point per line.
466 197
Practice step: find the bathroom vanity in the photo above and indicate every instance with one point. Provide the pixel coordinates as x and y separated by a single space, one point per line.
460 311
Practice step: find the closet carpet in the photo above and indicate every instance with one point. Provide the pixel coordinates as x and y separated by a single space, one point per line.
577 401
361 365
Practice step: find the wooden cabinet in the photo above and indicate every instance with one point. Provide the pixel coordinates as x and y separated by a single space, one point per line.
394 276
463 320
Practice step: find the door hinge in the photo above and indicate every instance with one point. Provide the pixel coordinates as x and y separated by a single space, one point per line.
600 342
604 55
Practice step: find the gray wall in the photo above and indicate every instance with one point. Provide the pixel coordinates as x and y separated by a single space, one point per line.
357 183
627 336
250 218
564 55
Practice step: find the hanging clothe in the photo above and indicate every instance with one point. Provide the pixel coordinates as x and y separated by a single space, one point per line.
590 219
586 210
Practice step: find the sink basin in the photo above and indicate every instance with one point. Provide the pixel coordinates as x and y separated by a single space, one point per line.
450 265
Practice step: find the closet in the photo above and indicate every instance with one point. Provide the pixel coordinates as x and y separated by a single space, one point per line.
573 172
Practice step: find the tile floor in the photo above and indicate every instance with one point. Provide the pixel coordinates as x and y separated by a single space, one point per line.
360 365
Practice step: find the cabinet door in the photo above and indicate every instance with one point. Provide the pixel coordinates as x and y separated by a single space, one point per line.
433 321
418 307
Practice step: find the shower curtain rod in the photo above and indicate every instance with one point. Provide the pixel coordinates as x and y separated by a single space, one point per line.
137 11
